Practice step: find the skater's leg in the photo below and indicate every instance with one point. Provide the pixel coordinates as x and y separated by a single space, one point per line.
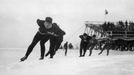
92 47
52 47
102 49
66 52
59 41
108 51
81 47
58 44
36 39
81 51
47 53
85 49
42 45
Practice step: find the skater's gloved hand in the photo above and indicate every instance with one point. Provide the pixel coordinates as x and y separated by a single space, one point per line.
55 35
52 33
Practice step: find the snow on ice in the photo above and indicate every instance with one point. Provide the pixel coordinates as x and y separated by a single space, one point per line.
117 63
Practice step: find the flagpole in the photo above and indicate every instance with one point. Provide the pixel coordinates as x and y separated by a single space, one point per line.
105 15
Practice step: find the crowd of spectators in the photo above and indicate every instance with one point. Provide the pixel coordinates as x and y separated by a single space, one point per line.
118 26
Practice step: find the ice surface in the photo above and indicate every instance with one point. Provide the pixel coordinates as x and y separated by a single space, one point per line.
117 63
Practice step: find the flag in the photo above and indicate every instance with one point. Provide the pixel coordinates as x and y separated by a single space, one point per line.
106 12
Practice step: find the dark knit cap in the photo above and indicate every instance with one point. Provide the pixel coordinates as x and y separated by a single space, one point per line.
48 19
84 34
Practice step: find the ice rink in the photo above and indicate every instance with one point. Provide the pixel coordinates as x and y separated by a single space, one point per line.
117 63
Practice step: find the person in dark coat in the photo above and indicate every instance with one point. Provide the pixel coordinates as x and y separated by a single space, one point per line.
55 41
66 48
44 33
83 44
92 43
107 46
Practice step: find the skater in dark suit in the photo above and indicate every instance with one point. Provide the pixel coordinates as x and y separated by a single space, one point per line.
55 41
83 44
107 46
44 33
92 43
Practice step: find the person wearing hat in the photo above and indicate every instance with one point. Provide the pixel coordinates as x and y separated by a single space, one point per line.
66 48
45 30
107 46
83 44
92 43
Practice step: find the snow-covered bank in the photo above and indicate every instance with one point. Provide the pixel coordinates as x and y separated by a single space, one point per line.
121 64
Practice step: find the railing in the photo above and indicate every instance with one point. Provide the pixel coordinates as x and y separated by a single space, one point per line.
121 34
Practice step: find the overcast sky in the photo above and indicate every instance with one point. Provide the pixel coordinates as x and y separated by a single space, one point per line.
18 17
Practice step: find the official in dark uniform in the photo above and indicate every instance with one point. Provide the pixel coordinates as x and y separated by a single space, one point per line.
66 48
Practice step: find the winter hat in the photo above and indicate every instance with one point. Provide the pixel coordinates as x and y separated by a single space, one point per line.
48 19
